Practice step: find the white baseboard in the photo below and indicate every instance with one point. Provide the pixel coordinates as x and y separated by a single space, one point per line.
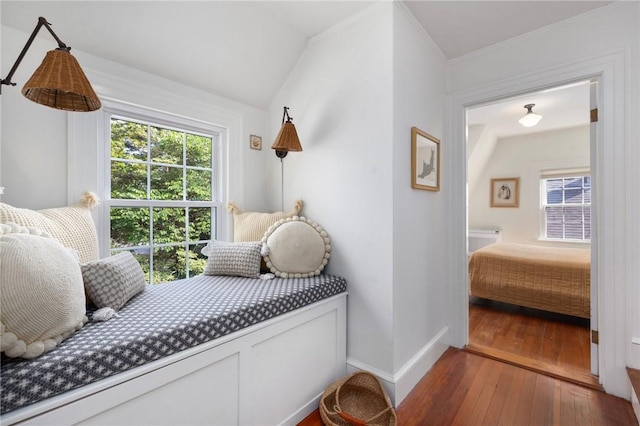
635 404
401 383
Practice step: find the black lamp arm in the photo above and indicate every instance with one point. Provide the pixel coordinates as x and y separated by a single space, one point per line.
286 114
61 46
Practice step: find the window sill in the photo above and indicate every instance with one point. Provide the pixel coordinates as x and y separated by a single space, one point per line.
556 240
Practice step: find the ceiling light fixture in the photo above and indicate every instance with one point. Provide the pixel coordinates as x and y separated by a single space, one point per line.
59 82
531 118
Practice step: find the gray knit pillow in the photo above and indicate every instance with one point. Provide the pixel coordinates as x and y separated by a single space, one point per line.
111 282
236 259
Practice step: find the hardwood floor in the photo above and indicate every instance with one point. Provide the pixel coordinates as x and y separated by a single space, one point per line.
466 388
463 388
553 344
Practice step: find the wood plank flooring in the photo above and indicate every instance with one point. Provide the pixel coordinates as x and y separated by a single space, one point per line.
465 388
553 344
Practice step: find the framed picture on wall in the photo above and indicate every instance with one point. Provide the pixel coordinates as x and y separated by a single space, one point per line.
255 142
505 192
425 160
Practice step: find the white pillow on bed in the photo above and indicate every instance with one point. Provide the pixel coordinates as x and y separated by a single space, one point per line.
42 296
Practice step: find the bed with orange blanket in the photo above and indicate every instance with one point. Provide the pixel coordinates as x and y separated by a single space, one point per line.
547 278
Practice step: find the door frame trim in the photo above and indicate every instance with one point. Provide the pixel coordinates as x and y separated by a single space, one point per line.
611 212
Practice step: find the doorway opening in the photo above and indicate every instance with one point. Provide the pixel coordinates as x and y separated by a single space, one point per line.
515 315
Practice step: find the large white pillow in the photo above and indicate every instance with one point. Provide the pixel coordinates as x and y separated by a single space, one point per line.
73 225
296 247
251 226
42 294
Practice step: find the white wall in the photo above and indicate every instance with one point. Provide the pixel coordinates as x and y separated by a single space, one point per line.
340 95
525 157
35 166
354 96
604 43
480 145
420 218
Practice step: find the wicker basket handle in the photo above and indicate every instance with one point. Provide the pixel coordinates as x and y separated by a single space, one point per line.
369 421
354 421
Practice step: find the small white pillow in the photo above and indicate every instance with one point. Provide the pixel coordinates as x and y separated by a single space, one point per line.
296 247
235 259
42 296
112 281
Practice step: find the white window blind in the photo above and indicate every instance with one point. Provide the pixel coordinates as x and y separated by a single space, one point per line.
566 205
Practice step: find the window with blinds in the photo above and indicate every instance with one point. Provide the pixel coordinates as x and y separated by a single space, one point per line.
566 206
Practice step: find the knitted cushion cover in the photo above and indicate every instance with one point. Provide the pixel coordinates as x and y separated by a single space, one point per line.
251 226
42 296
111 282
73 226
236 259
296 247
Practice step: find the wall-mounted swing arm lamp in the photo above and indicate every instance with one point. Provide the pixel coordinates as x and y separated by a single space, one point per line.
59 82
287 140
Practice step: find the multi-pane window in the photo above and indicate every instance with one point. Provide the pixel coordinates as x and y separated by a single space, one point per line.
162 188
566 205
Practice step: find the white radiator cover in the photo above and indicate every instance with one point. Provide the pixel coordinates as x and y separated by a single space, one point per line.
478 238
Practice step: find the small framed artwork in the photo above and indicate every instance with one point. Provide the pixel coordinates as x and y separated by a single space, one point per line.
425 160
255 142
505 192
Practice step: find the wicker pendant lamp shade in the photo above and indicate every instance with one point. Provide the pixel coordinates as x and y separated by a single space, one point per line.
287 139
60 83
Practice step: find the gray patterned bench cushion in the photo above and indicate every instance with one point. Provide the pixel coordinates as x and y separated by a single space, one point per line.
161 321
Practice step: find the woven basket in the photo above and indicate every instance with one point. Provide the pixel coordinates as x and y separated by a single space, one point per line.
357 400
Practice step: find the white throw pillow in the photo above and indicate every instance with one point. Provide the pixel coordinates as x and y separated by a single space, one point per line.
296 247
112 281
73 225
42 296
251 226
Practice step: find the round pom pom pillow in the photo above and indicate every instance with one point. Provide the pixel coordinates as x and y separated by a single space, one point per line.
42 300
296 247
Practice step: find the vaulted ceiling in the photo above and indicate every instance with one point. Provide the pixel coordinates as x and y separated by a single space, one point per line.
244 50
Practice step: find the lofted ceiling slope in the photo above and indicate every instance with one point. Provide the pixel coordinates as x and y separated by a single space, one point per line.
244 50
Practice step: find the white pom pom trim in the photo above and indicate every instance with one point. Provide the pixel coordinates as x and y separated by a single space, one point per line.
9 342
266 251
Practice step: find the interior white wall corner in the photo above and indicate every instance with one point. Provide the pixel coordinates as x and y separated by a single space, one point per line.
340 95
482 143
421 219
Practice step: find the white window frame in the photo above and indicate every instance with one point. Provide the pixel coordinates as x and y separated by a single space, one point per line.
170 121
557 174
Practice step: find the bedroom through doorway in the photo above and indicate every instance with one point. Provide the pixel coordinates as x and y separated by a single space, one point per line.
529 190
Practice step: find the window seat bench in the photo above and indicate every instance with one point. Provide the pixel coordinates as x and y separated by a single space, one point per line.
205 350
